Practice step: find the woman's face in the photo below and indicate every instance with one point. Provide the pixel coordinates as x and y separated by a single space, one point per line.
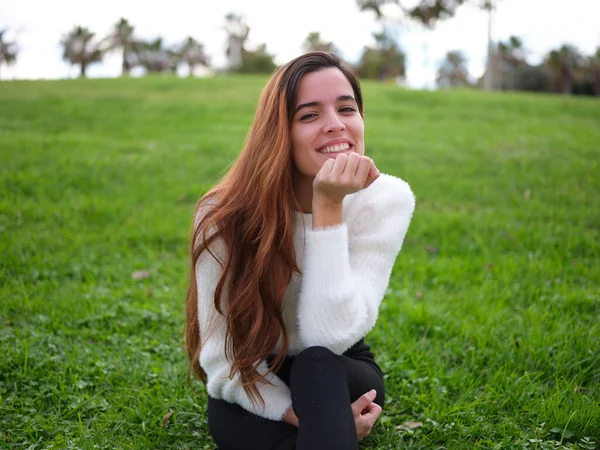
326 121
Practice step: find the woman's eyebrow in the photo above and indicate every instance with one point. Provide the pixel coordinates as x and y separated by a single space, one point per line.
307 105
345 98
341 98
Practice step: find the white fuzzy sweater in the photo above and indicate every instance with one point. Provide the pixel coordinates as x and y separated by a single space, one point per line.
345 274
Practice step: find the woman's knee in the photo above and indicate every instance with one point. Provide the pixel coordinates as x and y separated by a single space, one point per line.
315 354
317 363
316 359
362 377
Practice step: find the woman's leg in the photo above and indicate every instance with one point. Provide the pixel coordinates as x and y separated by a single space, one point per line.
234 428
321 400
363 374
323 385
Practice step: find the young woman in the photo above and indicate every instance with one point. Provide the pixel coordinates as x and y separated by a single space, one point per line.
291 257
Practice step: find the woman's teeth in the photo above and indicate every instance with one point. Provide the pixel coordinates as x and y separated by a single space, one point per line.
335 148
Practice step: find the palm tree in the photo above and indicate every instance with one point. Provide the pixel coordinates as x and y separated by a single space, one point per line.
237 33
426 12
257 61
386 61
517 50
8 49
122 38
313 42
78 48
490 7
192 53
453 71
508 59
562 64
394 59
155 57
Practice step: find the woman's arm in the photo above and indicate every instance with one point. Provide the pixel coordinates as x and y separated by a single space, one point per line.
347 266
337 178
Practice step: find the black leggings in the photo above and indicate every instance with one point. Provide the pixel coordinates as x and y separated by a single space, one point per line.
323 385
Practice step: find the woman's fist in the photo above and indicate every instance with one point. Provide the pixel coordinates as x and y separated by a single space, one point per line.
343 175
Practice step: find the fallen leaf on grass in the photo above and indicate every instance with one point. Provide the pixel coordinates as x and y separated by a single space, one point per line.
489 266
409 426
166 418
527 194
140 275
509 236
432 249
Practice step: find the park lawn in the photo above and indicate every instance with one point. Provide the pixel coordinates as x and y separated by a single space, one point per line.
489 334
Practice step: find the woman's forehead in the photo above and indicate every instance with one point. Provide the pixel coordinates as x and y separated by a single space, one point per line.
327 84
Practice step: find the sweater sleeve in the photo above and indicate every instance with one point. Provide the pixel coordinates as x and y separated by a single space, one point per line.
213 360
347 268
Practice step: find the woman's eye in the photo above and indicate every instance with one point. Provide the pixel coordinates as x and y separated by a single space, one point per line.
308 116
347 109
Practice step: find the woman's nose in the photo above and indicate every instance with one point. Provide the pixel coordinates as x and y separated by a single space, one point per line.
334 124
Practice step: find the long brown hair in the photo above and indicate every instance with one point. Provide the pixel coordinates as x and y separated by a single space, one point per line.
252 211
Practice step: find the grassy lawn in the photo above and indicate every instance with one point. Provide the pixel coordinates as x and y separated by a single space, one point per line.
489 334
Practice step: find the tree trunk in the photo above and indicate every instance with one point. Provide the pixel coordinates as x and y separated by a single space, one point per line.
488 82
235 56
124 64
568 86
83 67
567 80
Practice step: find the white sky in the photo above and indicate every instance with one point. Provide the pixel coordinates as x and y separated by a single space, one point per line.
283 25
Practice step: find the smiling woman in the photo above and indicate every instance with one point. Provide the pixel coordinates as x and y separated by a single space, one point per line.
327 123
291 255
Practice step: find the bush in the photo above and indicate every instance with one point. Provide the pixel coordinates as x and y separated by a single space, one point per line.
532 79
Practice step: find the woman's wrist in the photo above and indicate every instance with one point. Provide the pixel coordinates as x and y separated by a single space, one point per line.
291 418
326 213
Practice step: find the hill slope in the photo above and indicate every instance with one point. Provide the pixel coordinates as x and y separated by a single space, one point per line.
489 334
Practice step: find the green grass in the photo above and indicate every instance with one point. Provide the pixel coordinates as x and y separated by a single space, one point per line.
489 334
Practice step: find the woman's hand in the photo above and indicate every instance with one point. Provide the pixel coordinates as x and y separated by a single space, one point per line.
291 418
344 175
366 413
337 178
